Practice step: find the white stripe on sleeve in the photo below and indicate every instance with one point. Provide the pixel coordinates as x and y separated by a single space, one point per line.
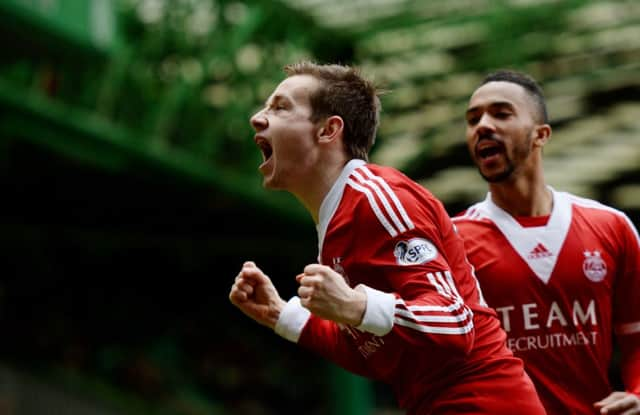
436 329
425 308
456 318
452 284
374 205
383 199
445 284
392 195
414 317
432 280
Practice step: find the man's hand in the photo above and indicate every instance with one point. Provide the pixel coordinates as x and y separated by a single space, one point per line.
619 403
325 293
254 294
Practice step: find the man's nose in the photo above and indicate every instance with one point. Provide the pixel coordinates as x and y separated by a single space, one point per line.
485 125
258 121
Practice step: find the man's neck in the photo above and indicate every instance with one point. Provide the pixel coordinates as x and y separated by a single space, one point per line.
315 189
524 197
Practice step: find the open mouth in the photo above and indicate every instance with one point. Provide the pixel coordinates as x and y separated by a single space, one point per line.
265 148
487 150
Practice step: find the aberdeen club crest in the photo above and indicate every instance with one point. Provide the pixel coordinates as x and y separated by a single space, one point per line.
337 267
594 267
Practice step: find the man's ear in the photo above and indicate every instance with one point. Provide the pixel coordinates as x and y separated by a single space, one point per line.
331 129
542 134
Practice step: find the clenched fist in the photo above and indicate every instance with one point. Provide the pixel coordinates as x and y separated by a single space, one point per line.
254 294
325 293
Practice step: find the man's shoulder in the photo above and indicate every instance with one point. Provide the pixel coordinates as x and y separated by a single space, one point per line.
474 215
374 194
392 175
594 210
388 181
389 197
583 202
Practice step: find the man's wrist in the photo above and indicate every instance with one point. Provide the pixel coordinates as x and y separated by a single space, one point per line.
359 306
292 319
379 311
274 313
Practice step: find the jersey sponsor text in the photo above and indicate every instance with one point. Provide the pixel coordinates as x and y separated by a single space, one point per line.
532 320
545 341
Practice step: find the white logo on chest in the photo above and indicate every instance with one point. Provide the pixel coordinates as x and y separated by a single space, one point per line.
539 251
414 251
594 267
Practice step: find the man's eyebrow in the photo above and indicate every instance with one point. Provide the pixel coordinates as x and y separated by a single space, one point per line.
471 110
501 104
491 105
276 98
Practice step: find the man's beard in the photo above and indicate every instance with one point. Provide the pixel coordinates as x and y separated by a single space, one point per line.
500 177
520 153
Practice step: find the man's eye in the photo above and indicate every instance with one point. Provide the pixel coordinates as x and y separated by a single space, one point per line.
473 120
502 114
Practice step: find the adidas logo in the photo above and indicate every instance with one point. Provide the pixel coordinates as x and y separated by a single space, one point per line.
540 251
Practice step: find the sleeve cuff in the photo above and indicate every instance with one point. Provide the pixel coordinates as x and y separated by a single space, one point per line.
627 328
379 313
292 320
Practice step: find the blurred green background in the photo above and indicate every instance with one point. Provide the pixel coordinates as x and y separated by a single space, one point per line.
131 197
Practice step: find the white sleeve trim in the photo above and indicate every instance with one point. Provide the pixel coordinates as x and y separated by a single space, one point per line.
292 320
379 312
627 328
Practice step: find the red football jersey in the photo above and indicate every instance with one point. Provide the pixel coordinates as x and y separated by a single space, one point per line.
425 330
561 290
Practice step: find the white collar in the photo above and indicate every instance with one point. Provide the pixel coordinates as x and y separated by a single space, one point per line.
538 246
332 200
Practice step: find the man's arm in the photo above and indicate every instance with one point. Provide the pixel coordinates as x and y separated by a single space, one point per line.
412 291
626 319
424 309
326 294
626 312
256 296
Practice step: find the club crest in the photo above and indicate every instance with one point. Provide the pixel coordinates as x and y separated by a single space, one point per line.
594 267
337 267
